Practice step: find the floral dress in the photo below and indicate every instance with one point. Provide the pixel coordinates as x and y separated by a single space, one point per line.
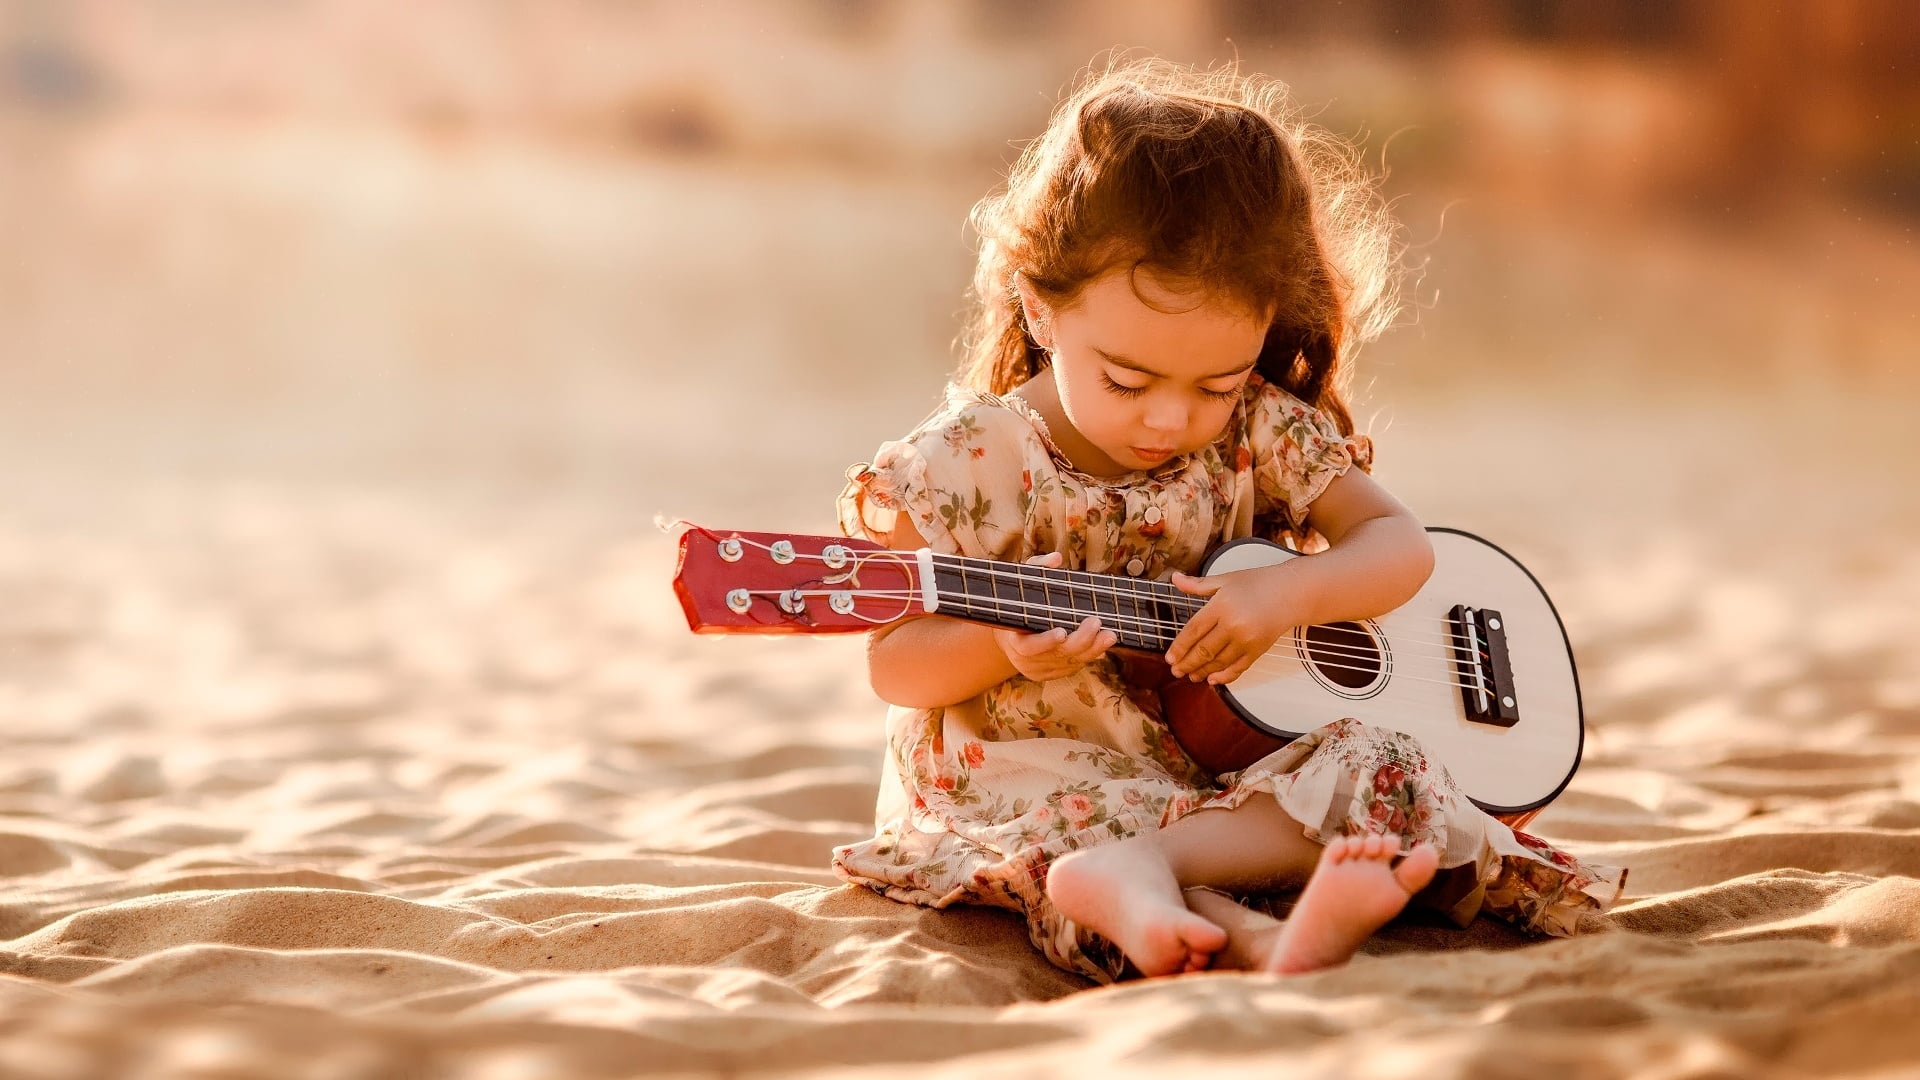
977 799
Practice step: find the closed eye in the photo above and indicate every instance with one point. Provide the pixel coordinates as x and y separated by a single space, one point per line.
1124 390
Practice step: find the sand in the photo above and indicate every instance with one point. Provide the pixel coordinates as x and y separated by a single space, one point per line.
394 757
361 783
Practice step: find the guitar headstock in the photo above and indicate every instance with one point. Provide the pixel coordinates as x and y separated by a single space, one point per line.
775 583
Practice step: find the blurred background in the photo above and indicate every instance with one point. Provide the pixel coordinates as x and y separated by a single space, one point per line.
580 242
288 276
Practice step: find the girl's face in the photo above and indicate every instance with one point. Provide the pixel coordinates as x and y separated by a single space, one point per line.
1146 376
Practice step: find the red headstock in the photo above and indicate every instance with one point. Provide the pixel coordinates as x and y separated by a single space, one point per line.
774 583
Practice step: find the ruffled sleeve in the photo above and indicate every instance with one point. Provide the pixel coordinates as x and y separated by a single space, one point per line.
958 477
1297 451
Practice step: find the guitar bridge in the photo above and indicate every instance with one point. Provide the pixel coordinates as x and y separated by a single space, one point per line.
1480 660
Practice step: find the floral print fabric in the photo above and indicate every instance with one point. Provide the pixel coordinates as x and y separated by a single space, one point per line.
978 798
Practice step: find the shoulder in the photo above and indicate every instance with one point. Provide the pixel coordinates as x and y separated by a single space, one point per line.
973 424
960 476
1276 418
1269 405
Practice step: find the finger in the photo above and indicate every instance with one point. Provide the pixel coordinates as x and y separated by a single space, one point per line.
1195 586
1190 635
1223 663
1082 638
1105 640
1233 671
1194 659
1213 653
1037 644
1051 558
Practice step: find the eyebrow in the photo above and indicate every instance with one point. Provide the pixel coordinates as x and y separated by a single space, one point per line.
1121 361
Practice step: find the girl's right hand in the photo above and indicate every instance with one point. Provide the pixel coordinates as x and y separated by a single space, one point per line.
1054 654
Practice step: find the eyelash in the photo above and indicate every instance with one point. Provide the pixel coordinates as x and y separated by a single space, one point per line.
1136 391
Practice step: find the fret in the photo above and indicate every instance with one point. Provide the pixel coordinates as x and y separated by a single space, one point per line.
976 590
949 582
1087 599
1106 603
1167 621
1059 599
1151 615
1030 585
1008 597
1142 614
991 587
1139 633
1067 601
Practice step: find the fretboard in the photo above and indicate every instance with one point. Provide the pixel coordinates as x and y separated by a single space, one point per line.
1142 614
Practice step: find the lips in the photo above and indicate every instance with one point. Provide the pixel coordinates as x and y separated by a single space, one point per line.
1152 453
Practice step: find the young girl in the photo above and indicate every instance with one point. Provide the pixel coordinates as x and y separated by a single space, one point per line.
1167 293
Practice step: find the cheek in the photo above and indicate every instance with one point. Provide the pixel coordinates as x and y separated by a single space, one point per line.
1208 422
1090 406
1216 416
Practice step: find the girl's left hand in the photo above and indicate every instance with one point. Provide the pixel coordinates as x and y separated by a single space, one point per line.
1244 615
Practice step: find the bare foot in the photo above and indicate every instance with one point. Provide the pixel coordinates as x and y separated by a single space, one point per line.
1352 893
1250 934
1126 892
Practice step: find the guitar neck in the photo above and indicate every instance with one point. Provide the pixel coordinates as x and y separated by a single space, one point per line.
1142 614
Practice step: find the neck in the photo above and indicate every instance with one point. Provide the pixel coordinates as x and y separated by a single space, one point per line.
1142 614
1043 394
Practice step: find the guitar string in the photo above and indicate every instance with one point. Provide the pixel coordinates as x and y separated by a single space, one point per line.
1178 600
1072 616
1285 646
1321 653
1447 645
1292 647
1191 605
907 596
902 560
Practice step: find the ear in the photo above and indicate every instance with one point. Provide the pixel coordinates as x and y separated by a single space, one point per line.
1038 315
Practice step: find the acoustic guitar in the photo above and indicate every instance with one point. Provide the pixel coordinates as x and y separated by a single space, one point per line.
1476 666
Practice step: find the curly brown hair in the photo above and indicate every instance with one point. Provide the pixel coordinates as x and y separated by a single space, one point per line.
1205 176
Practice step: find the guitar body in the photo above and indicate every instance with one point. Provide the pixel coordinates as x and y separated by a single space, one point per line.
1476 666
1396 678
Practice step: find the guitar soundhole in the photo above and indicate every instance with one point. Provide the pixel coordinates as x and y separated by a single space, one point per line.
1344 654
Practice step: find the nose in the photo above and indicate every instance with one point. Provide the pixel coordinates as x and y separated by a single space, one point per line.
1165 415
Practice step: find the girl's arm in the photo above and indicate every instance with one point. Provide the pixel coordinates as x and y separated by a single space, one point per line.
1378 557
931 661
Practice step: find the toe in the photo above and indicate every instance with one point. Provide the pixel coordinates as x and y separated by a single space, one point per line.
1376 846
1203 936
1418 868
